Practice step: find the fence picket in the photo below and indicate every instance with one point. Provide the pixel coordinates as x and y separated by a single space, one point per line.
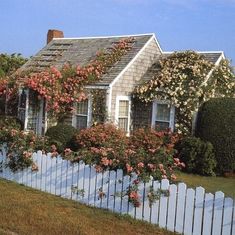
208 213
179 222
69 180
118 191
155 206
48 174
80 188
131 207
227 216
104 201
39 172
233 221
147 208
53 177
43 172
92 189
218 213
86 184
111 195
189 210
74 181
172 208
198 212
99 182
58 178
33 173
163 204
126 184
139 210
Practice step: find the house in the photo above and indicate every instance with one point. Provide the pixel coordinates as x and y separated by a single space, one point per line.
137 65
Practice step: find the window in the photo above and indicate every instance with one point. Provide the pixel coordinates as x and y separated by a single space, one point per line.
82 114
123 113
163 115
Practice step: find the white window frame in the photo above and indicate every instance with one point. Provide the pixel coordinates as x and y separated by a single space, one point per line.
172 114
89 113
123 98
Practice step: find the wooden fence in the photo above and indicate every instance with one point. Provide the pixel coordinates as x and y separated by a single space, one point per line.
184 210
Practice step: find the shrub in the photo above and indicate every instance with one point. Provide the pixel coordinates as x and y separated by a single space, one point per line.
145 152
197 155
11 122
216 123
62 136
20 146
101 135
154 153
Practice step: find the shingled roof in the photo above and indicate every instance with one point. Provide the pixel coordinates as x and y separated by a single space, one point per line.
210 56
80 51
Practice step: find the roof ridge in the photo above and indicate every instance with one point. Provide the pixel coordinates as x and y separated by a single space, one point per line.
114 36
169 52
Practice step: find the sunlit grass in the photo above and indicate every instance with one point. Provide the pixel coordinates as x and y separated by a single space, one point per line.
211 184
27 211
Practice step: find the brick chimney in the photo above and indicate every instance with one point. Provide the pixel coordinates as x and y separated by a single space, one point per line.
53 33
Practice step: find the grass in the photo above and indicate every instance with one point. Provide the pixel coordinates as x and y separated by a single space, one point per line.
27 211
211 184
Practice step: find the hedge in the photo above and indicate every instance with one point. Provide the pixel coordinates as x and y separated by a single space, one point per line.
216 124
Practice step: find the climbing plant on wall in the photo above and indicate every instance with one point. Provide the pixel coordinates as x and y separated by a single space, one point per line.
187 79
62 88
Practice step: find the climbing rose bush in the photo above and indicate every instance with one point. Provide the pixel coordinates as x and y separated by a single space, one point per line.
182 79
62 88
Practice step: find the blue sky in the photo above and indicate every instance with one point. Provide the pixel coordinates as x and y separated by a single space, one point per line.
178 24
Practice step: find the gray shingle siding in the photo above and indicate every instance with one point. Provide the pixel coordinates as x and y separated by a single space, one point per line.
127 82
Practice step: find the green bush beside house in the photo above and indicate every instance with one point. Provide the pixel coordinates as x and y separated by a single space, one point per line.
216 123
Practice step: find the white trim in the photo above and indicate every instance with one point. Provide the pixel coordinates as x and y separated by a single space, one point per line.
109 102
172 113
40 118
158 44
26 110
170 52
212 70
89 115
46 119
123 98
101 87
132 61
117 36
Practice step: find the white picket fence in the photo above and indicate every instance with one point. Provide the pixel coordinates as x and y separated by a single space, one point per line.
186 211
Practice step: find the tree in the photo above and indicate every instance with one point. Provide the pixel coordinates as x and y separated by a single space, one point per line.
8 65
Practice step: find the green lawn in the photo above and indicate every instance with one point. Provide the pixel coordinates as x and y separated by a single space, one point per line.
27 211
211 184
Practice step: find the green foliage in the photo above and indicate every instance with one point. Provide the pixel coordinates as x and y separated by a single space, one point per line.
98 106
181 79
10 63
11 122
198 156
216 123
61 135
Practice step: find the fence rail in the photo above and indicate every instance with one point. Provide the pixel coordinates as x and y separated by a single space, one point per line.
184 210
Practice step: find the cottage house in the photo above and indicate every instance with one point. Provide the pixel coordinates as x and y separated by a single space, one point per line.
136 66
